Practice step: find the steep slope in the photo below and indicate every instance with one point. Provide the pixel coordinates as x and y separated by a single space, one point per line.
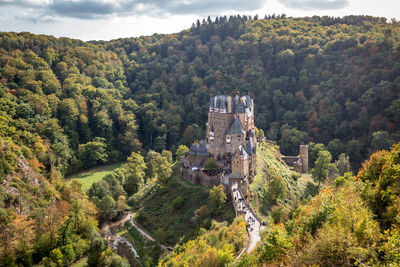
354 221
276 190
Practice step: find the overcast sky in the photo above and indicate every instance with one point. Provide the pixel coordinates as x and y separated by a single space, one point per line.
108 19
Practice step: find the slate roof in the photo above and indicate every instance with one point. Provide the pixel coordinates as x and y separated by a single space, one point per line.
239 107
212 102
250 148
202 149
243 152
193 149
221 102
236 127
238 104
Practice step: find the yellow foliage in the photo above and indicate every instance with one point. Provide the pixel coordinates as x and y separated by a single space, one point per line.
216 247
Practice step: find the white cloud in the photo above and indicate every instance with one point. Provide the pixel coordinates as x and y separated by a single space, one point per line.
109 20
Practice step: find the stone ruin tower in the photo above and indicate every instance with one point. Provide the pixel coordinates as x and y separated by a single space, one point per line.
304 158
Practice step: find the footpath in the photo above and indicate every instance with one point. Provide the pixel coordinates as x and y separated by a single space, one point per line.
113 238
253 224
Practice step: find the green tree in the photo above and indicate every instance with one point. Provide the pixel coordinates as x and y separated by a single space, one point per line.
151 163
188 135
110 259
343 164
97 246
167 154
107 207
217 197
321 169
335 147
160 235
276 189
274 242
353 150
291 139
135 173
93 153
182 149
313 150
57 257
163 169
69 255
211 166
380 140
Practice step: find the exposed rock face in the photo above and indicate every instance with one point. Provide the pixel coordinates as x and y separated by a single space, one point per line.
23 172
26 172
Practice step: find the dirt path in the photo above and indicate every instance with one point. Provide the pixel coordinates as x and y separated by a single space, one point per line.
147 236
108 233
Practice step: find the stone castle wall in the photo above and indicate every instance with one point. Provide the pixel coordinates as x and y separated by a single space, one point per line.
199 178
220 122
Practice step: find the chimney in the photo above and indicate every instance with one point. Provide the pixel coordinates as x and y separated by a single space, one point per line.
229 100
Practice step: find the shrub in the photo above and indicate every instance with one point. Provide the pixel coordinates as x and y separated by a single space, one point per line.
177 203
310 190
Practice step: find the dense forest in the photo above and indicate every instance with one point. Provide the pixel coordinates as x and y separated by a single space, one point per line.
320 79
67 105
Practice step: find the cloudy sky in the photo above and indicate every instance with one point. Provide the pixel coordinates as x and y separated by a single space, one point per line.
110 19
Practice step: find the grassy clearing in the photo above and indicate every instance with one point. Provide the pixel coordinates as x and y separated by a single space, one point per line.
88 177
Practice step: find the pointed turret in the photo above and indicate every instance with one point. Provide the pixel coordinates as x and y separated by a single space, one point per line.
250 148
193 149
236 127
202 149
243 153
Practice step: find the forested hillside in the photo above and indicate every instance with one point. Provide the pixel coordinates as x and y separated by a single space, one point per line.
313 79
66 105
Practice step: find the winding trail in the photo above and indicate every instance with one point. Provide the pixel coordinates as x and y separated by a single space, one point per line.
111 236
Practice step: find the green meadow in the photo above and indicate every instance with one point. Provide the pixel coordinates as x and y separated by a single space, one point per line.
90 176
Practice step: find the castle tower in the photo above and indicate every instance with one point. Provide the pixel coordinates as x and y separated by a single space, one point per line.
241 162
304 157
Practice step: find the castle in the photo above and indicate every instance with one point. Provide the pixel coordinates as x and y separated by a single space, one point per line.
230 139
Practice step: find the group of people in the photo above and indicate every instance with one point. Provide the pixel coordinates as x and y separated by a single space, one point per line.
239 202
250 221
